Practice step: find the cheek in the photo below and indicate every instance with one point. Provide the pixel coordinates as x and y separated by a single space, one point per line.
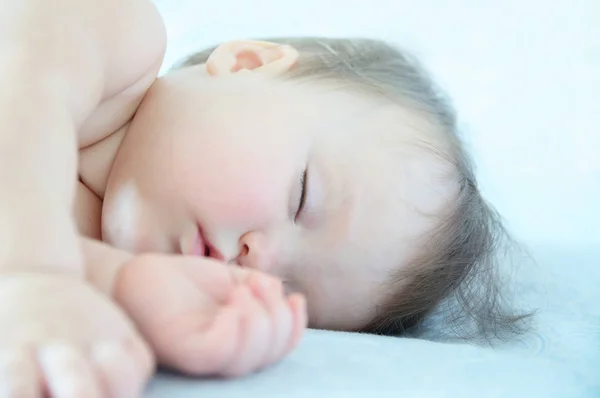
232 189
243 198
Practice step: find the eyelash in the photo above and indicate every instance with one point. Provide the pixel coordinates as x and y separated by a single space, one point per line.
303 194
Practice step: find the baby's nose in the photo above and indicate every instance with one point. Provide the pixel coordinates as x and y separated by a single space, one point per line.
256 252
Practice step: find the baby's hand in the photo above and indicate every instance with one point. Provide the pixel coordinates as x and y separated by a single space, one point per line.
203 317
61 338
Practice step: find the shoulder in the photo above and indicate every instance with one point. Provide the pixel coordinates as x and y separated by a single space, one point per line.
134 43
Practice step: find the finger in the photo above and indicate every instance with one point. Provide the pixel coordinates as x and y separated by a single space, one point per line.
297 303
68 372
255 334
215 278
119 370
143 355
270 292
19 374
210 348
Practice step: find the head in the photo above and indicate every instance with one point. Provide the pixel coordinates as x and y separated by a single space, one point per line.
332 164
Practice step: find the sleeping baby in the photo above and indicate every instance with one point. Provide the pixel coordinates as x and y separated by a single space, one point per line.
259 187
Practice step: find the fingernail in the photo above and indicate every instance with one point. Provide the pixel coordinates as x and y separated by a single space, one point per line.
56 360
106 351
54 353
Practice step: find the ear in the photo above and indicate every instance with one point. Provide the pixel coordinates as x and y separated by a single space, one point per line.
258 56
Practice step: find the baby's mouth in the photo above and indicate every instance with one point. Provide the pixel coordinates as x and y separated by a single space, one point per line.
209 249
196 244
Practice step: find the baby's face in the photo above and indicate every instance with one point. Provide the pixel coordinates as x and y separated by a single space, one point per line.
319 187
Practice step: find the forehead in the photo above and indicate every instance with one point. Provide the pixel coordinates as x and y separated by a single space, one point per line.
392 170
399 198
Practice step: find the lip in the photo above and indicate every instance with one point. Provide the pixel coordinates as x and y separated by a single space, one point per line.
193 243
199 248
198 245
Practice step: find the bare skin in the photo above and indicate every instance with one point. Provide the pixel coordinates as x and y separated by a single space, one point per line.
82 74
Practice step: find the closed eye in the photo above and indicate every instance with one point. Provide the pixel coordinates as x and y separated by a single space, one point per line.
302 194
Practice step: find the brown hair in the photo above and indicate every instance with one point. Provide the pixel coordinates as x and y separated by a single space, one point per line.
457 273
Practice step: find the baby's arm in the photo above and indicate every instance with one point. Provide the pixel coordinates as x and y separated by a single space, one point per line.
62 63
39 160
61 60
46 94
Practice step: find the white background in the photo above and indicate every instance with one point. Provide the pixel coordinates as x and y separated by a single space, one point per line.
524 75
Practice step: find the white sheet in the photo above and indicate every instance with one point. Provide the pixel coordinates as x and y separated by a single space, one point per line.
525 76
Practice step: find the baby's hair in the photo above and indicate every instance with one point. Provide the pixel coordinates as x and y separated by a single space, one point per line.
457 271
